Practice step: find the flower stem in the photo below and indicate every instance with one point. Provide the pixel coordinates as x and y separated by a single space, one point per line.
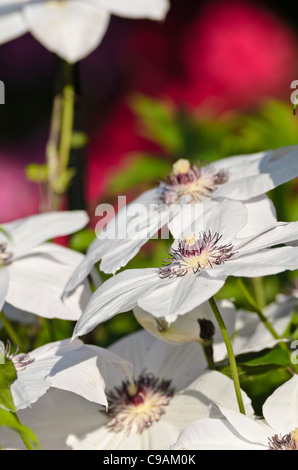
10 330
230 352
68 96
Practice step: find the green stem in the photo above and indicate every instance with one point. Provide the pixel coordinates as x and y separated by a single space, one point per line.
67 120
258 287
230 352
11 331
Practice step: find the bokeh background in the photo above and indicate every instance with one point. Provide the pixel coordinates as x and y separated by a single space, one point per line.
212 80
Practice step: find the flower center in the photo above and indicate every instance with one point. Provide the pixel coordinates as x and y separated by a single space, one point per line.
190 182
137 406
20 362
194 255
5 256
287 442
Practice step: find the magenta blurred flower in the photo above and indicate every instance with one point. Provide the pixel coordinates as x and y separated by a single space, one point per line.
233 54
19 198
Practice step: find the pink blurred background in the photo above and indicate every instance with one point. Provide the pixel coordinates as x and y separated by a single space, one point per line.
227 55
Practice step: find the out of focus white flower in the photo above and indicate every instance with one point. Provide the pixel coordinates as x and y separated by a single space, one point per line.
170 387
71 28
33 272
227 429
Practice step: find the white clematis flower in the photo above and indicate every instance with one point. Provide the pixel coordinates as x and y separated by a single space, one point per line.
72 29
170 386
71 366
34 272
226 429
189 190
197 268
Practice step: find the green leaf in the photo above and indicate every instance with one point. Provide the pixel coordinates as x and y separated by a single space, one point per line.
81 240
10 420
157 121
139 168
260 373
7 376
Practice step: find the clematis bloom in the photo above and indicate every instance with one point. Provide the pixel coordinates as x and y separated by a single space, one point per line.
196 269
189 190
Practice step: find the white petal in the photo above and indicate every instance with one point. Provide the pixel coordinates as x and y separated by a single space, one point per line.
55 415
118 294
17 315
4 281
31 231
185 329
37 283
281 408
251 429
12 24
262 263
261 216
94 253
66 365
212 434
180 364
282 233
256 174
155 9
181 295
226 218
112 245
138 230
72 30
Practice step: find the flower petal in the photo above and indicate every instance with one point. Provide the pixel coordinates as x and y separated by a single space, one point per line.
71 366
212 434
37 283
155 9
12 24
261 263
181 295
4 281
72 30
261 216
118 294
53 417
256 174
281 408
31 231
